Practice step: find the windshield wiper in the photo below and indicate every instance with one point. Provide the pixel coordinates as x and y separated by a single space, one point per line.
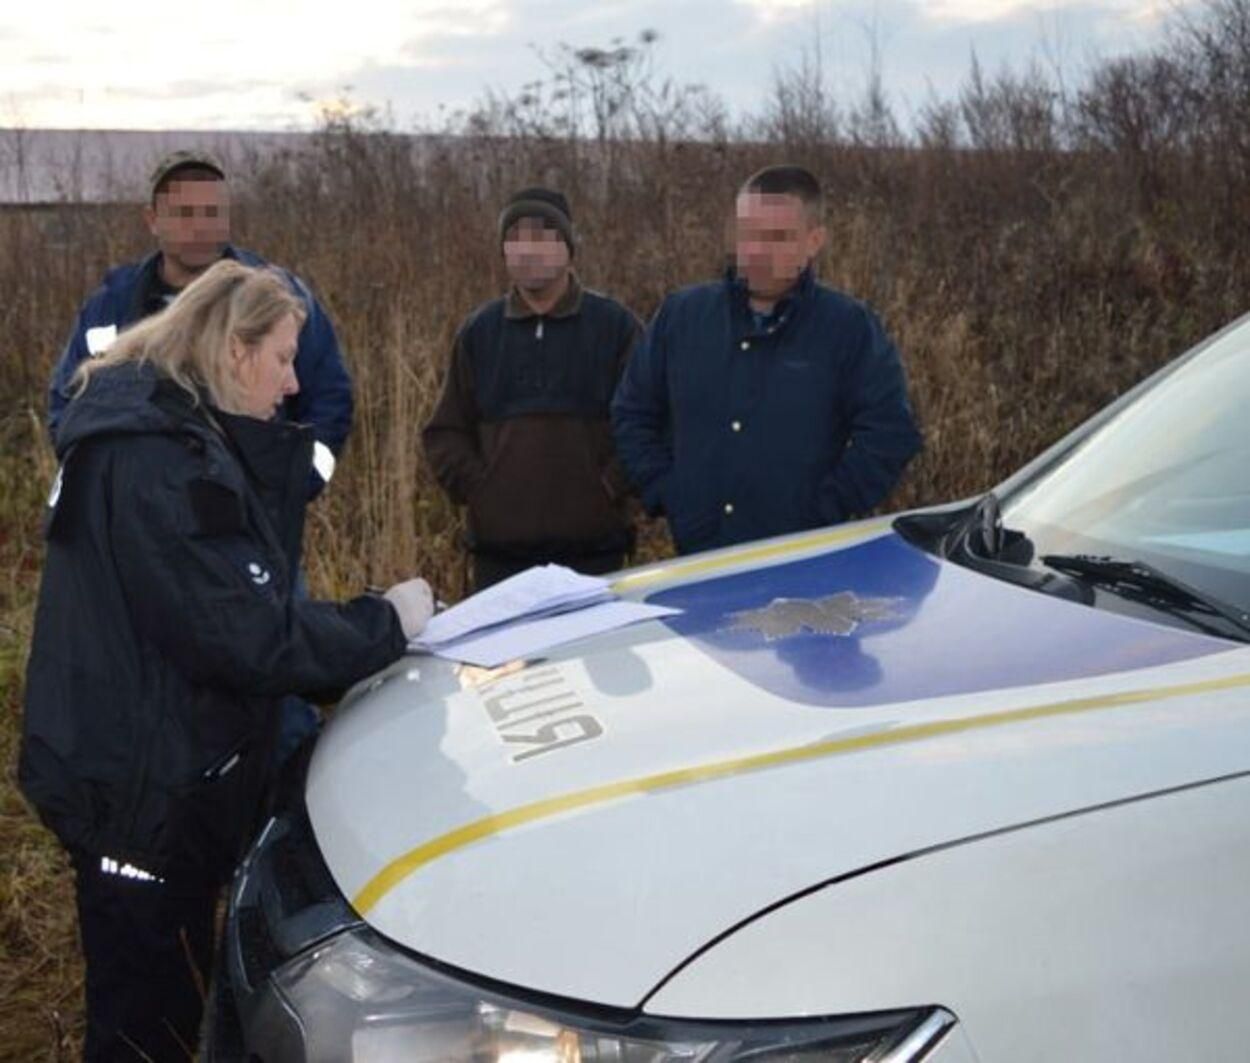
1142 582
979 541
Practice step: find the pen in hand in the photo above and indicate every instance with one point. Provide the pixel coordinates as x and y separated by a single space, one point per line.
374 589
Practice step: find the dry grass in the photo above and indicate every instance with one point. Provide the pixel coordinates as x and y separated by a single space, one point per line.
1025 286
40 973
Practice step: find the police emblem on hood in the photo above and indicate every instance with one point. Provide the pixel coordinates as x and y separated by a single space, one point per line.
834 614
916 628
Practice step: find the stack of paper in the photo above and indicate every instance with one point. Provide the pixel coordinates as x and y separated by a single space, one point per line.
539 608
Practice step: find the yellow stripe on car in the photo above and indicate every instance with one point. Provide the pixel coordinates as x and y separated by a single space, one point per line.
701 566
403 866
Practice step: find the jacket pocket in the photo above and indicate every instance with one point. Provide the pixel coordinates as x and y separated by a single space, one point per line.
806 503
693 529
693 506
544 488
210 817
601 501
196 799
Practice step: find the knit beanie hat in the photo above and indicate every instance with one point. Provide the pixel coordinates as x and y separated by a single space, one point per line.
544 203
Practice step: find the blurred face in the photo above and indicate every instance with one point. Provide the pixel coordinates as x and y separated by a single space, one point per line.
535 256
775 238
191 223
265 371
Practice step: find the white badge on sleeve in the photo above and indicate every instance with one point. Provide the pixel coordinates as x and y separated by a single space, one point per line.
54 496
323 461
100 339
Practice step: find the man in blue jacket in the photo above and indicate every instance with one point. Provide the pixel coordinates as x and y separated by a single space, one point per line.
765 403
189 218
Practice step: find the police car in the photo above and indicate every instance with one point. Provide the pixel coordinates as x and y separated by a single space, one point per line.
968 784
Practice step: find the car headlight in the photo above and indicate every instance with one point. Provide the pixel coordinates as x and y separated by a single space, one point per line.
357 998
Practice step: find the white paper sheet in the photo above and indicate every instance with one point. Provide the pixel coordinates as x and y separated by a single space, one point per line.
525 638
538 591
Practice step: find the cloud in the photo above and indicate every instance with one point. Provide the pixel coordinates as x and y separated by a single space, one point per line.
456 71
998 10
772 10
275 42
188 89
262 62
925 46
973 10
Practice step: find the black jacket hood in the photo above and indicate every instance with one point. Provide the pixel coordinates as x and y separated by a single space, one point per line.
132 398
136 398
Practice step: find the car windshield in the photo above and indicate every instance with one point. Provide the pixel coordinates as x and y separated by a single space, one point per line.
1165 480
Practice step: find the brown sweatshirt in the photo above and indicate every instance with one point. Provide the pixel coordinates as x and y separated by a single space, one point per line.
521 432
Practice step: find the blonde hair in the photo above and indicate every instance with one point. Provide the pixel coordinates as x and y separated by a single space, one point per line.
189 341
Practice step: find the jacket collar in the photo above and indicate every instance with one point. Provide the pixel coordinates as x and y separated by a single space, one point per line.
276 457
146 282
515 307
801 292
266 448
785 309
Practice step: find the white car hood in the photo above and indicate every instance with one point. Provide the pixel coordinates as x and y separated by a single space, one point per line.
583 825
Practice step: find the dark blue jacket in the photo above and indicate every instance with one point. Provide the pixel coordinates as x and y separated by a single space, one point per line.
125 296
737 432
168 626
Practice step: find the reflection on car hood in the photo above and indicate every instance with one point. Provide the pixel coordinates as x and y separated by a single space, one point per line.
582 824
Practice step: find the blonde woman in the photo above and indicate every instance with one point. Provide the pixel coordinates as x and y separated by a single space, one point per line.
166 632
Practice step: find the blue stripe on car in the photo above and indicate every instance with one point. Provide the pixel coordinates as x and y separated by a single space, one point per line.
947 630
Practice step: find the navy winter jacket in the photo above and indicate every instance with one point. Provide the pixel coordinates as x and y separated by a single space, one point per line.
738 432
324 400
167 627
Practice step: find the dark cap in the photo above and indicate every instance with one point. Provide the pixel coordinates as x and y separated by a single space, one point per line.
183 160
544 203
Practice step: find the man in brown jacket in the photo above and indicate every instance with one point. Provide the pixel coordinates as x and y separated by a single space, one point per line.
521 432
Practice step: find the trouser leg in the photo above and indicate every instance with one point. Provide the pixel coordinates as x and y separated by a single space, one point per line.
488 570
597 564
148 948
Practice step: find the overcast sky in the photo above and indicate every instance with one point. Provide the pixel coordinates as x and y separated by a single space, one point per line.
265 64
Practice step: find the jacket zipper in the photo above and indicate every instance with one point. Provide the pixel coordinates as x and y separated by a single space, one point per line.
224 765
538 330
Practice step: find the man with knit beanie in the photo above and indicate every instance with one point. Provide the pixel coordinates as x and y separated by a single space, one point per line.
521 433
